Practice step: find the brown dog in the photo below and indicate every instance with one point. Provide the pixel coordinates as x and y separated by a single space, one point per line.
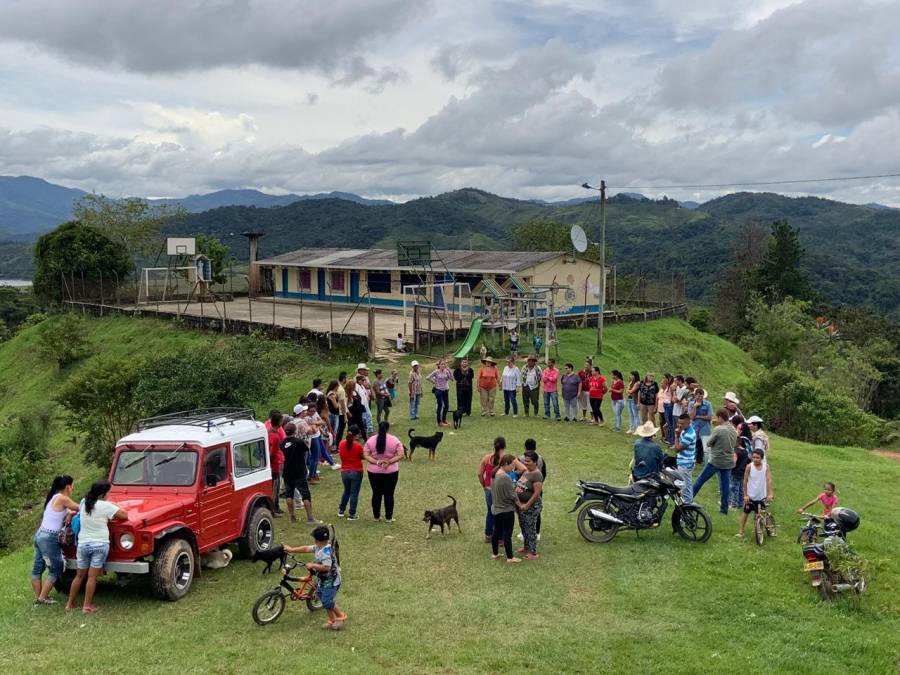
441 517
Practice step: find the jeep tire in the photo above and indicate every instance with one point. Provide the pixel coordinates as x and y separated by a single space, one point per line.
259 533
172 572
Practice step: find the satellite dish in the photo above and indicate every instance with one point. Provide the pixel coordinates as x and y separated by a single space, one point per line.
579 238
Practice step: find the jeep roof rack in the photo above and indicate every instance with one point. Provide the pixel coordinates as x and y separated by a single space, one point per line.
210 418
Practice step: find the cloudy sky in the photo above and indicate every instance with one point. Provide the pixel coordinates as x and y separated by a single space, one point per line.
401 98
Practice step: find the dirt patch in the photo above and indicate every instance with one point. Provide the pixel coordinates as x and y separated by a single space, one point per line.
890 454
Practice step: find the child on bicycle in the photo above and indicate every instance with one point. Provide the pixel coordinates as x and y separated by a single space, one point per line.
757 487
325 567
828 497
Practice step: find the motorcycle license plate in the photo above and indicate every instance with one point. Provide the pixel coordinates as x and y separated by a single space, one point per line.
811 566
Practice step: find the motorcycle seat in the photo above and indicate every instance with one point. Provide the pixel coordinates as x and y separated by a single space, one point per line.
628 490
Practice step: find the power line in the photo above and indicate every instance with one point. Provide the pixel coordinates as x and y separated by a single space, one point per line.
752 183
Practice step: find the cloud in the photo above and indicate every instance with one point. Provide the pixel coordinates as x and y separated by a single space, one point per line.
173 36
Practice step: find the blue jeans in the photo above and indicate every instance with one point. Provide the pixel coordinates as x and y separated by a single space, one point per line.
509 400
634 418
414 406
47 555
92 555
724 484
312 459
670 422
334 420
737 493
352 481
618 407
548 397
442 404
367 419
489 519
687 490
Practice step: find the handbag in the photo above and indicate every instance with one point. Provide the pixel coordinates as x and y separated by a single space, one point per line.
68 535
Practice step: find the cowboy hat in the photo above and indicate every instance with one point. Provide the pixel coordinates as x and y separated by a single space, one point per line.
532 357
647 430
489 359
362 366
731 396
755 419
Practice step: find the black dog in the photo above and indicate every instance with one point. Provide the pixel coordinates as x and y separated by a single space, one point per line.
457 418
430 442
444 516
269 556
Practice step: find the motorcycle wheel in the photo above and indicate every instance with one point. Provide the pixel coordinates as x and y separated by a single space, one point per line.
691 523
826 590
590 534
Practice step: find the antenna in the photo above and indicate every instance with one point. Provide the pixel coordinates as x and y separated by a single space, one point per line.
579 238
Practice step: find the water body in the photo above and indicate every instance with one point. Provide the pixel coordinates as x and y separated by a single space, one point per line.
16 283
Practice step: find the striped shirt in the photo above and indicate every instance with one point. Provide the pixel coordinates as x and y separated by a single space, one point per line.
688 452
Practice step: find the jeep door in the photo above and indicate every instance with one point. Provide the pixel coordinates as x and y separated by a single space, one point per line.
218 521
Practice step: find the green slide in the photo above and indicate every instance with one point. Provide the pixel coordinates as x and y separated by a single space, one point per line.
471 338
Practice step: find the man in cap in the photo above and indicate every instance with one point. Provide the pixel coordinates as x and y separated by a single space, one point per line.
415 390
648 456
531 383
364 389
760 437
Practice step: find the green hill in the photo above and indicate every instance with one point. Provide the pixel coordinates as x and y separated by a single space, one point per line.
436 606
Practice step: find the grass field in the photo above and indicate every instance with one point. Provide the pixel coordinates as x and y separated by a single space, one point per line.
653 604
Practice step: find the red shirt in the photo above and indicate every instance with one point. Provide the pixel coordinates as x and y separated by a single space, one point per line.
618 390
276 456
352 457
597 386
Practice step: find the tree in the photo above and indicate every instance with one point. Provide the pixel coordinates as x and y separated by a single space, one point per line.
779 274
544 235
76 249
218 253
64 340
734 292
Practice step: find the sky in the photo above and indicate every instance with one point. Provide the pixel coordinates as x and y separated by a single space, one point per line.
402 98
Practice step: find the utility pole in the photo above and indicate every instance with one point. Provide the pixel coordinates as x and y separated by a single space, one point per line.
601 301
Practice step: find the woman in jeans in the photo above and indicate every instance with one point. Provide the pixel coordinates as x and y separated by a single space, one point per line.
334 411
647 397
504 505
93 542
510 381
617 398
631 400
383 452
441 378
529 489
486 469
47 553
351 472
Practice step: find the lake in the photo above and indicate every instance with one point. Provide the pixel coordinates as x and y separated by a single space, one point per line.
16 283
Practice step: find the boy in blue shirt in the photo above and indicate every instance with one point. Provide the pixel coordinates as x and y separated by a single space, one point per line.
325 566
686 453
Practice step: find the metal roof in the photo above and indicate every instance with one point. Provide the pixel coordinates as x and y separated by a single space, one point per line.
488 287
457 261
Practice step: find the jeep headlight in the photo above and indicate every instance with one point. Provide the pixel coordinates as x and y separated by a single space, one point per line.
126 541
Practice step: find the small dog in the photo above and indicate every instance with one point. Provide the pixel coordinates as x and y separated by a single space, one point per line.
457 418
444 516
430 442
216 560
276 553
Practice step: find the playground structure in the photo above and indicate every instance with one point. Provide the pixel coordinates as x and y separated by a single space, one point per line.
188 277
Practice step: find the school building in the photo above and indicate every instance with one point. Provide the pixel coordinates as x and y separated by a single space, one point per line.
375 277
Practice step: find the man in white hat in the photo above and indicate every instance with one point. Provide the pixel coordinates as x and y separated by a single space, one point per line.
648 456
731 405
415 390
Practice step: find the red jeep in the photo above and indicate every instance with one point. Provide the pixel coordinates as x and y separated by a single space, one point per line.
191 483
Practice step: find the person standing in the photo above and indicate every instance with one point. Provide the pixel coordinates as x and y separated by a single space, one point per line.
571 391
47 552
685 455
730 403
680 397
486 469
464 376
334 411
531 384
647 397
364 389
758 490
648 456
351 453
414 387
617 397
529 489
584 399
93 542
504 505
382 397
276 459
488 379
514 343
721 458
383 453
294 472
631 400
664 406
343 404
510 381
440 377
760 438
550 384
355 408
701 414
597 390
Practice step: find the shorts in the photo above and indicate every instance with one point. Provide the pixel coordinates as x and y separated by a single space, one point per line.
301 485
327 595
92 555
754 505
584 401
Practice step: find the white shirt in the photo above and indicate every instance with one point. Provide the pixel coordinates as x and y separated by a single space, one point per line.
363 394
317 392
511 378
94 529
399 344
756 483
677 406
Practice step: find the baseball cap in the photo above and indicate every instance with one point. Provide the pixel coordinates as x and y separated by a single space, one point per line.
299 408
414 363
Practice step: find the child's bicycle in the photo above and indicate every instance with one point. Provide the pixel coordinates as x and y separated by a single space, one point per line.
269 606
763 524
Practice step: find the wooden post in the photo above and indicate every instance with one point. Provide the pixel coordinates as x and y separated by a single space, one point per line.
371 332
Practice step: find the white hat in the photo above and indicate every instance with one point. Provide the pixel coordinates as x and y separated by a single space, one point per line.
647 430
756 419
299 408
414 364
731 396
362 366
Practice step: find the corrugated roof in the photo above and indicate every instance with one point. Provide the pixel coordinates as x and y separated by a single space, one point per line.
461 262
489 287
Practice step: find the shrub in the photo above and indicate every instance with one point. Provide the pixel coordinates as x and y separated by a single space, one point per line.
798 406
22 457
701 319
64 341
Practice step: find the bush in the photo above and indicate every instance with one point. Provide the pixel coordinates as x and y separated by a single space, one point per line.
701 319
64 341
23 454
798 406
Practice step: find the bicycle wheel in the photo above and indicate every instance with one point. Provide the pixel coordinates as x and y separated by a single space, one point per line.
268 607
770 525
759 529
313 602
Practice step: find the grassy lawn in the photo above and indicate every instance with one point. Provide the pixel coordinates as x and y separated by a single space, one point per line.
653 604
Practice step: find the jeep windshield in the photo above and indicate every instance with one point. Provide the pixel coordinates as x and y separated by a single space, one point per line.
156 467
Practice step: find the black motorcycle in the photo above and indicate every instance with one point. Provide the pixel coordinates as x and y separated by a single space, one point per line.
832 565
606 509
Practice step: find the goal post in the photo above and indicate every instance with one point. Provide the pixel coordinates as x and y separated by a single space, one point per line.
166 284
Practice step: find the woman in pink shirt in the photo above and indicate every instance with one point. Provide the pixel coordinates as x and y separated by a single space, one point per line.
549 381
383 452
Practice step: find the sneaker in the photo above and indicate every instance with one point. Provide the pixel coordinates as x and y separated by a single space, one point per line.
515 415
513 560
340 514
390 520
353 517
566 419
521 536
539 536
495 556
44 601
335 467
312 521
